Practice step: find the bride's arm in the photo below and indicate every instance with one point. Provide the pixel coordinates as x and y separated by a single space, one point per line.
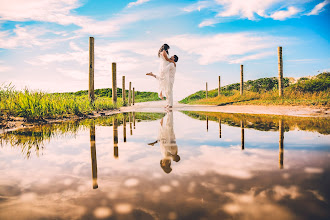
166 58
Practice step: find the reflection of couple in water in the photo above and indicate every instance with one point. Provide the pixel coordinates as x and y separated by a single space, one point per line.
168 146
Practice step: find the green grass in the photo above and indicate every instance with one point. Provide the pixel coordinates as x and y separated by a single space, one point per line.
37 105
309 92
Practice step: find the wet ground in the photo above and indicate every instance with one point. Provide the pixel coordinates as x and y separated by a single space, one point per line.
173 165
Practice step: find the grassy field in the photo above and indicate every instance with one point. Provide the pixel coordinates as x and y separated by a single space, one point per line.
37 105
309 92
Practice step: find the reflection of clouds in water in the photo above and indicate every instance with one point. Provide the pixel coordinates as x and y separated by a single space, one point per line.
123 208
313 170
102 212
227 161
280 192
252 205
131 182
61 176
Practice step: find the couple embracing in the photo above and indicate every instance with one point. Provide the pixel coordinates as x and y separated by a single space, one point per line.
166 75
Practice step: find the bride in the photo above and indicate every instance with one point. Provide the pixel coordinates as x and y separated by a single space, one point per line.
164 78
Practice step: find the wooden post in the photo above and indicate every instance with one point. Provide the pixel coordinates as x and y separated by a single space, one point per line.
133 118
123 92
219 87
115 137
280 71
93 154
242 134
207 123
242 82
219 128
124 127
130 123
281 138
133 96
114 83
130 94
206 91
91 95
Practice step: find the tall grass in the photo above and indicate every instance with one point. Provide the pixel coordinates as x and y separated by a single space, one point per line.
290 97
37 105
264 91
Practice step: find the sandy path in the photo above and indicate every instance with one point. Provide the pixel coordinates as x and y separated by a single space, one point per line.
302 111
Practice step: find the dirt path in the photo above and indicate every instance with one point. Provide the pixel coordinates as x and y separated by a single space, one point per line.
302 111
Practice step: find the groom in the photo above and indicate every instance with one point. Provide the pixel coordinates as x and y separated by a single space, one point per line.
170 74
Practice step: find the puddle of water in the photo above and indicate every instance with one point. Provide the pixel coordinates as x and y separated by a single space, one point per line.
178 165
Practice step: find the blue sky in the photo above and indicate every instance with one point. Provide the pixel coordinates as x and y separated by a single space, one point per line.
44 44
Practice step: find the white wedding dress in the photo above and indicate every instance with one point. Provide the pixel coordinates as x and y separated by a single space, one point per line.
166 79
166 137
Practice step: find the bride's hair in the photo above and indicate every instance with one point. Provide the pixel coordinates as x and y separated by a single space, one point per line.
164 47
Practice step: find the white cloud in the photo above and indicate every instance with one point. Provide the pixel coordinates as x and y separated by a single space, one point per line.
4 68
74 74
23 37
60 12
225 47
208 22
252 9
198 6
138 2
318 8
39 10
253 57
284 14
245 9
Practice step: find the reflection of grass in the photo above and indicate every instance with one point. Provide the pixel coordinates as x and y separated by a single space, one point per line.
310 92
265 122
33 139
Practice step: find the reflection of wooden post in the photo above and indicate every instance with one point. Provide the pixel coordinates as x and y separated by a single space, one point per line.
242 134
130 93
123 92
280 71
91 70
219 87
115 138
124 127
134 119
130 123
207 123
241 84
93 155
281 138
114 83
133 95
206 91
219 128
